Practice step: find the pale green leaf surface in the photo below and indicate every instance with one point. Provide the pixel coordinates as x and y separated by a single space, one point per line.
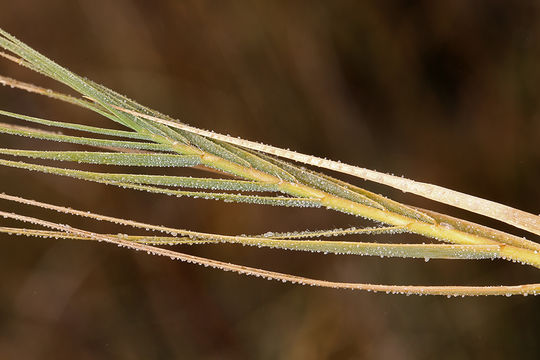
85 128
162 180
111 158
43 135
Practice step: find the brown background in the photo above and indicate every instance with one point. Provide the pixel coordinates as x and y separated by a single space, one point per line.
445 92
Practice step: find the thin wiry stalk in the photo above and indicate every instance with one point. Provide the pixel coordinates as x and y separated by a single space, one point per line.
151 240
529 289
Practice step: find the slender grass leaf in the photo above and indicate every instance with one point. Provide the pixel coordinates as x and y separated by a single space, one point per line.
315 180
162 180
44 135
85 128
111 158
257 162
334 232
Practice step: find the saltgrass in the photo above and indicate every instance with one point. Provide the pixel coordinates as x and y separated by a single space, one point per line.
250 173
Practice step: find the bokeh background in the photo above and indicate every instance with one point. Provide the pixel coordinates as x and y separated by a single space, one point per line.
445 92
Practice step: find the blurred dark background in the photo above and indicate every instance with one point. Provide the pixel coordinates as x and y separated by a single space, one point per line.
445 92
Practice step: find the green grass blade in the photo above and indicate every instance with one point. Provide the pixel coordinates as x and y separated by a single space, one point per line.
122 180
161 180
110 158
479 230
423 251
239 198
315 180
57 72
130 104
259 163
215 149
90 105
44 135
383 201
67 125
334 232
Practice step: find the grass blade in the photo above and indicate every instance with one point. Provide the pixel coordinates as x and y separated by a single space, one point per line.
44 135
110 158
529 289
515 217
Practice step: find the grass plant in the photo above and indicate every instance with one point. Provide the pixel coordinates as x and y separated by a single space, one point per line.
249 172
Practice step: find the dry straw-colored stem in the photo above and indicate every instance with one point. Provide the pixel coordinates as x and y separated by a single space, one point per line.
529 289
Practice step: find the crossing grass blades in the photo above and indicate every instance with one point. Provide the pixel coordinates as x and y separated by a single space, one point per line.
251 173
